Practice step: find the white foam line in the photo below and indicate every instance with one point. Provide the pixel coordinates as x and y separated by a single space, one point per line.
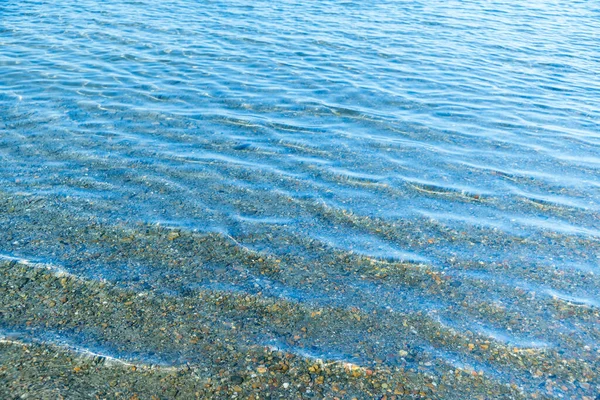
56 270
90 354
6 340
86 353
345 364
572 300
247 249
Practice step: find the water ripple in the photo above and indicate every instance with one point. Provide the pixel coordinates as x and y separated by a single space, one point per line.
427 166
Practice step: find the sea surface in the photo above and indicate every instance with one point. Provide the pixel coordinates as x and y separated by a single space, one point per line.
432 166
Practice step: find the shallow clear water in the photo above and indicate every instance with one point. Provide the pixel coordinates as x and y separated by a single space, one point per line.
458 142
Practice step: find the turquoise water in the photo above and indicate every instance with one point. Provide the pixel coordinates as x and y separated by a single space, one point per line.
459 140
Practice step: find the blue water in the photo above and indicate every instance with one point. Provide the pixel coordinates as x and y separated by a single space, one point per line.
457 137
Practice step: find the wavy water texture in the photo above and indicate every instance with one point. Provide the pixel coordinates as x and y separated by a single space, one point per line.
415 184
